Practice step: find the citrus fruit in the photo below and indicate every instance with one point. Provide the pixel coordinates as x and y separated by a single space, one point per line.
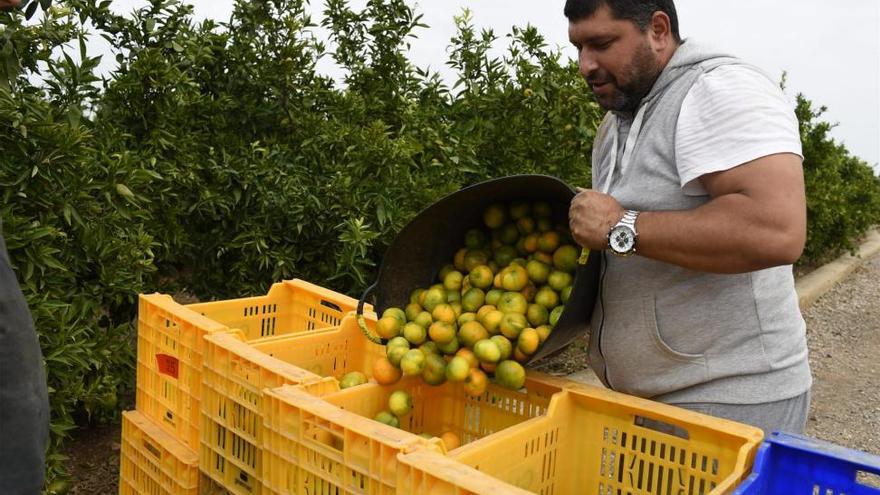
472 332
473 299
474 239
541 209
508 234
513 302
547 298
548 241
433 297
449 267
424 319
538 272
526 226
504 346
565 258
429 347
443 313
458 259
555 314
414 333
352 379
487 351
481 277
413 362
494 216
528 341
492 320
400 403
565 294
468 356
520 209
559 280
510 374
475 258
388 327
476 382
449 348
388 418
395 353
466 317
504 255
512 324
452 280
457 369
493 296
435 370
450 440
536 314
384 372
441 332
412 310
397 313
543 332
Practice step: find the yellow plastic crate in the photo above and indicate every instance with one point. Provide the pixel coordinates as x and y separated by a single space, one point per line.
170 343
236 371
235 374
152 461
328 444
594 441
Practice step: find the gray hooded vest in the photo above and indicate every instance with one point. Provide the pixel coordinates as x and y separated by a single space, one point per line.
678 335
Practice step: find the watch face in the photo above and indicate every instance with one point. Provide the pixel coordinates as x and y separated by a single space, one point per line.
622 239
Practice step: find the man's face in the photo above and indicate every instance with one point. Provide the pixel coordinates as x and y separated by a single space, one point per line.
616 59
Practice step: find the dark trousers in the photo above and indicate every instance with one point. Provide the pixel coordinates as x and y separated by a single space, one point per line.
24 401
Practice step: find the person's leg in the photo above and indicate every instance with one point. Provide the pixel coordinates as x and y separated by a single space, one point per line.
24 402
789 415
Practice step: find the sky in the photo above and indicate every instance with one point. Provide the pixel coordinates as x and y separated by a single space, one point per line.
829 50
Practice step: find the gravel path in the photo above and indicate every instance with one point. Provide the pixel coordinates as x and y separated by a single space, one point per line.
843 331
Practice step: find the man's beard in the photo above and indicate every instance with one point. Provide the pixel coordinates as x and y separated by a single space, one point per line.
640 75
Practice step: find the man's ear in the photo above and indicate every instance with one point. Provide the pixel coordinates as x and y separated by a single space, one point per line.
660 31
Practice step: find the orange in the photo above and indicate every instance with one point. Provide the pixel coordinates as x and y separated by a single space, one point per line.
493 296
474 239
512 324
400 403
441 332
513 302
528 341
520 209
468 356
433 297
387 418
492 320
397 313
475 258
473 299
558 280
384 372
548 242
565 258
388 327
435 370
414 333
504 345
514 278
504 255
452 280
543 332
412 310
494 216
541 209
538 272
537 315
476 382
458 260
457 369
413 362
547 298
510 374
424 319
526 225
450 440
443 313
447 268
352 379
472 332
487 351
481 277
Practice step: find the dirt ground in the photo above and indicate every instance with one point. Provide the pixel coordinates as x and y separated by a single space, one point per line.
843 330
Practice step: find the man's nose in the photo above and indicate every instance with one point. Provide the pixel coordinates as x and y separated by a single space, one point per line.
587 62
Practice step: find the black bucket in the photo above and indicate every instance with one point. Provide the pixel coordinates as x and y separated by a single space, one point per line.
431 239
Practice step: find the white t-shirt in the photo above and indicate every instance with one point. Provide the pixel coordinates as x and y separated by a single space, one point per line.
731 115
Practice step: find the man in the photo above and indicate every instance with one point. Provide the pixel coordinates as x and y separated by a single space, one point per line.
697 174
24 406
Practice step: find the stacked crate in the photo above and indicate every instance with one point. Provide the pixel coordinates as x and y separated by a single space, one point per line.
161 439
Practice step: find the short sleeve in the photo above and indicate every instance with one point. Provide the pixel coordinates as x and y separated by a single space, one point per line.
732 115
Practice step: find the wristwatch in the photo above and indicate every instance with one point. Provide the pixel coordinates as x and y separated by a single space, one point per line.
623 236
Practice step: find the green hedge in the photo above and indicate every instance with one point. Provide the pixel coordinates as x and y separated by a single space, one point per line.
216 159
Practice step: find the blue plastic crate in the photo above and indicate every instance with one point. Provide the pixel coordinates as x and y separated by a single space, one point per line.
788 464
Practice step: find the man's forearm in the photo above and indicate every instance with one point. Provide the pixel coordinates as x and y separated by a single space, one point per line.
730 234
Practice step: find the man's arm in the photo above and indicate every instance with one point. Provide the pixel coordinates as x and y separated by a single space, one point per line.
756 219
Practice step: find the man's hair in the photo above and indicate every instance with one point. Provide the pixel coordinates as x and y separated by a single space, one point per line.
637 11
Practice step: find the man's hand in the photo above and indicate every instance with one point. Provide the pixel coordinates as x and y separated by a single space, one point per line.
5 4
591 216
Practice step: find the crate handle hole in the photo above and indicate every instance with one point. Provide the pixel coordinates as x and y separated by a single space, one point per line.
662 427
330 305
868 479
